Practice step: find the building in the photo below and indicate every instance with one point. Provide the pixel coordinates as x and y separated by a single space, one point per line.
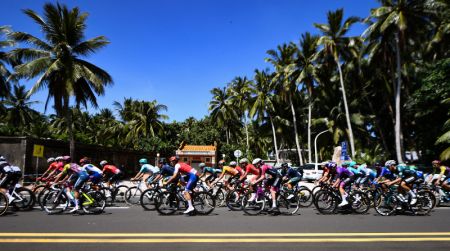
195 154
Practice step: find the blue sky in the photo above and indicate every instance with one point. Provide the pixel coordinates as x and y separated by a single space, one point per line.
176 51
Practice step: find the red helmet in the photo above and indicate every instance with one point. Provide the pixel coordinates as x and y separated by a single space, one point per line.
437 162
174 158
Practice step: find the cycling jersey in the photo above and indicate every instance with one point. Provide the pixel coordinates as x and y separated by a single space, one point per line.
290 173
147 168
91 169
211 170
269 170
233 171
405 171
386 173
167 170
184 168
111 169
343 173
356 171
252 169
75 168
444 170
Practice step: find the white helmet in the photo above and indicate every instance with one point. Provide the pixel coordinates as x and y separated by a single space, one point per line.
59 158
256 161
50 160
390 163
103 162
244 160
233 163
2 158
201 165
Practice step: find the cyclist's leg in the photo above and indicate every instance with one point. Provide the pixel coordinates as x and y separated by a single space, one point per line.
82 178
192 183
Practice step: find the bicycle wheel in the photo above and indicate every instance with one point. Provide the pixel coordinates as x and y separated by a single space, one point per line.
220 198
255 206
97 205
424 204
325 202
25 199
287 206
55 202
3 203
305 197
147 199
167 203
233 201
360 203
41 195
119 194
203 202
385 204
108 193
133 196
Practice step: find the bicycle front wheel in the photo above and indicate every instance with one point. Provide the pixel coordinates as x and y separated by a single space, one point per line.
203 202
325 202
133 195
233 201
385 204
55 202
167 203
25 199
147 199
253 205
287 206
305 198
3 203
360 202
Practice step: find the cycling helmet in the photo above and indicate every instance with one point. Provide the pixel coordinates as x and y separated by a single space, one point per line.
59 158
284 165
103 162
221 162
174 158
242 161
66 158
390 163
143 161
331 164
233 163
2 158
256 161
202 165
50 160
436 162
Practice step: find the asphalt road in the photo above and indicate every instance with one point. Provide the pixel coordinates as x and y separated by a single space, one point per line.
135 229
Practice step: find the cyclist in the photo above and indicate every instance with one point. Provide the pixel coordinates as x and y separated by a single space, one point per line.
290 175
405 176
57 167
444 175
9 177
146 173
329 171
232 169
166 171
212 172
183 168
52 165
273 181
110 172
344 178
78 176
249 169
369 175
95 174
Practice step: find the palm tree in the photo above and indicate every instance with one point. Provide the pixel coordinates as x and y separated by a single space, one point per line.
5 87
222 110
263 102
281 59
335 43
391 24
239 92
304 71
19 114
57 62
445 138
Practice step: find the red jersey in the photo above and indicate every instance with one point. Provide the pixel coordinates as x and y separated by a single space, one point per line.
111 168
252 169
184 168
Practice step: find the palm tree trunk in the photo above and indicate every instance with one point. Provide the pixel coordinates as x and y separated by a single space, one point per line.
309 131
246 132
347 114
68 115
274 139
398 132
294 119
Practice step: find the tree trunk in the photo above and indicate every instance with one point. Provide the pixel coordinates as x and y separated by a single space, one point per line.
228 138
68 115
294 120
274 139
309 131
398 144
347 114
246 132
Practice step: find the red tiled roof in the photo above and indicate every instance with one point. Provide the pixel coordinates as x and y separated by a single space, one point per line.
198 148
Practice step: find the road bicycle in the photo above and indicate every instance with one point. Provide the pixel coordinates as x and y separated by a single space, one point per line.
391 202
327 200
24 198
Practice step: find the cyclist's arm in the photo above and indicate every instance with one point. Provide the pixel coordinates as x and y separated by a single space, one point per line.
336 183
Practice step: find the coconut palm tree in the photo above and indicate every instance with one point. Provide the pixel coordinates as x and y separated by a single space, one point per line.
335 43
5 86
223 111
262 105
239 91
58 61
281 59
392 25
18 111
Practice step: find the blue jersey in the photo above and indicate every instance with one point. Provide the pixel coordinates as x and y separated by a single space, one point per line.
167 170
291 173
386 173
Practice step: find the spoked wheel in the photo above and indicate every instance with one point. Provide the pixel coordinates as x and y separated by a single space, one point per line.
167 203
424 204
253 206
203 202
119 194
3 203
287 206
133 196
54 202
385 204
220 198
147 199
41 195
98 204
305 197
360 203
233 201
325 202
25 200
107 192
